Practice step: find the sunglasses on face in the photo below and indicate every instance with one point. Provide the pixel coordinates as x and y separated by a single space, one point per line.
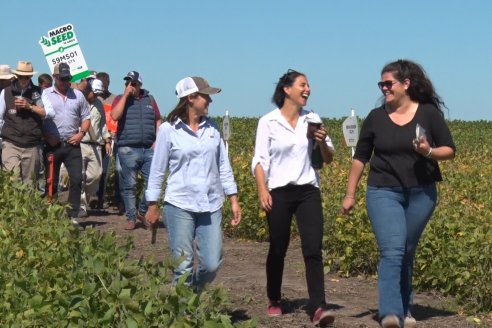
64 79
386 84
22 77
133 84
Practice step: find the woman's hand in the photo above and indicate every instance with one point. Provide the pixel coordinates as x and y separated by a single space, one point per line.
265 200
236 211
348 204
422 146
152 215
320 135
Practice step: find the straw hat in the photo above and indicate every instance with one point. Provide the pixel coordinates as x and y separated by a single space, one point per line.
24 68
5 72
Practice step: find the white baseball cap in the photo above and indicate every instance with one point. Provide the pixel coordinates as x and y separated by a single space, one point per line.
190 85
97 86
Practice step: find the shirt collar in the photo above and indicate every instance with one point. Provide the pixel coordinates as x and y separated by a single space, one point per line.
203 120
277 116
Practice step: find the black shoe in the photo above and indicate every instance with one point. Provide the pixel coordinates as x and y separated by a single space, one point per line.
121 208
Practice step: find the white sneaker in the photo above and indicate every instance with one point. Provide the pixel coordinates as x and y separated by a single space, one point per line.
76 224
390 321
410 321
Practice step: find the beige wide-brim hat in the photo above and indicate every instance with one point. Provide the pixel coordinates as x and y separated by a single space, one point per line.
24 68
5 72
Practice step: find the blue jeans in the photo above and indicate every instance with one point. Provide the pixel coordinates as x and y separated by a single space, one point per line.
398 217
132 161
205 229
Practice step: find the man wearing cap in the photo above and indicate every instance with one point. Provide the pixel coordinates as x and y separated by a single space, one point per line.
84 82
138 120
22 111
96 138
64 132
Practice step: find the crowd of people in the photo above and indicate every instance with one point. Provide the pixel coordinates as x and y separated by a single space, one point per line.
82 126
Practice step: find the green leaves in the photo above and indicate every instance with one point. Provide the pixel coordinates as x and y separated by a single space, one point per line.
51 275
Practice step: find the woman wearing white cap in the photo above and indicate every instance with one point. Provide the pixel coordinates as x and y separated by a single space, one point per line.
190 148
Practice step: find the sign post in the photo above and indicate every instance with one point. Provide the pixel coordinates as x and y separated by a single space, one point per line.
350 128
226 130
61 46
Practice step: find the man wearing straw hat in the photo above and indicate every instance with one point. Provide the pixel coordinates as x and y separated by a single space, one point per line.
22 110
6 78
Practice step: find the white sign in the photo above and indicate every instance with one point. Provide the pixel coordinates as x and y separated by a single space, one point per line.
61 46
226 127
350 131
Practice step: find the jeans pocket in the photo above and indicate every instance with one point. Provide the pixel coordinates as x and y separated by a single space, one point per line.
125 150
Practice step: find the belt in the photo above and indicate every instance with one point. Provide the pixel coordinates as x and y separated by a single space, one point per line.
62 144
91 143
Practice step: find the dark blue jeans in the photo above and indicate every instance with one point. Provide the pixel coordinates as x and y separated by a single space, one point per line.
134 160
398 217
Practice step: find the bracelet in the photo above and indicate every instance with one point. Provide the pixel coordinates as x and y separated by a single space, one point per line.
429 153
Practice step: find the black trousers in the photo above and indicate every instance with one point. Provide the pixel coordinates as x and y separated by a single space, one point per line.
71 156
305 202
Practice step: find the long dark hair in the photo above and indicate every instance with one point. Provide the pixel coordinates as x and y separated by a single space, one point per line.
179 111
421 89
284 81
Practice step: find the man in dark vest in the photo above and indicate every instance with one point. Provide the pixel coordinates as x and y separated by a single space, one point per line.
138 120
22 111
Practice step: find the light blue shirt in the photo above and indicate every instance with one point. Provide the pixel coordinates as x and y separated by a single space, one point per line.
199 169
70 111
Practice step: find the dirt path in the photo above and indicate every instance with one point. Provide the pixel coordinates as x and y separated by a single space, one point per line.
243 274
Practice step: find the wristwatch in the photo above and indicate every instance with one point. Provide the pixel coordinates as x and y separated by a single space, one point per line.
83 132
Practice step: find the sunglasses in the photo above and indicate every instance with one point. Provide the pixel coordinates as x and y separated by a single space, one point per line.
134 84
388 84
64 79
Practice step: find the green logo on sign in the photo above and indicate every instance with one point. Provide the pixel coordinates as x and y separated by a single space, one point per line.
45 41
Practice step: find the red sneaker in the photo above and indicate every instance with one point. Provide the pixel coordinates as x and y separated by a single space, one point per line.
130 225
274 309
323 317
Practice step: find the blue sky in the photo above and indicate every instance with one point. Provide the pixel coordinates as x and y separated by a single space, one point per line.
245 46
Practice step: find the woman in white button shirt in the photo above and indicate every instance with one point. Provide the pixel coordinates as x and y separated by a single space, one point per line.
287 185
190 148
